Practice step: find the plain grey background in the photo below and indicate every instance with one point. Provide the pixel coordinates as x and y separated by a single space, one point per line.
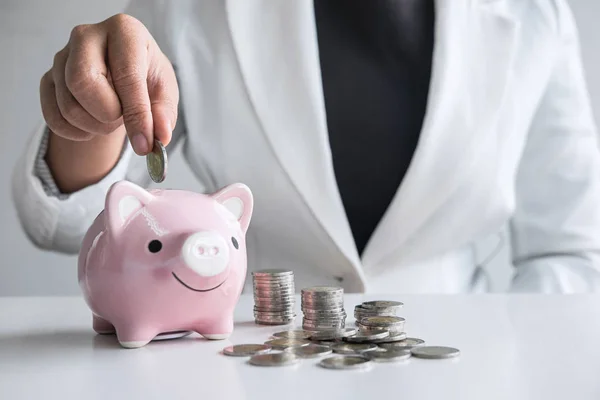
31 31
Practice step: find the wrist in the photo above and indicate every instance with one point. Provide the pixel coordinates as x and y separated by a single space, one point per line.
77 164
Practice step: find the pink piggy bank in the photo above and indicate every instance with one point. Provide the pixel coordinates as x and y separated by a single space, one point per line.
161 261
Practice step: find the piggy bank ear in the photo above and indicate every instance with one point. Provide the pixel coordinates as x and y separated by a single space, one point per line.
237 198
123 200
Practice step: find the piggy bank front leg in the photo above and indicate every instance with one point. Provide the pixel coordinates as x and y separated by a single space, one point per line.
133 336
216 330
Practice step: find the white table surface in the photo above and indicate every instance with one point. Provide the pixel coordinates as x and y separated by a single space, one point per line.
513 347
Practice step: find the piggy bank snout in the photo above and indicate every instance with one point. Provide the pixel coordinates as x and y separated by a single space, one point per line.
206 253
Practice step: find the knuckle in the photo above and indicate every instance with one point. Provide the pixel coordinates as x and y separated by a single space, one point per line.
123 21
57 59
70 111
45 79
55 122
78 32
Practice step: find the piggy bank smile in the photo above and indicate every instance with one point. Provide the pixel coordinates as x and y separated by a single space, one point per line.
191 288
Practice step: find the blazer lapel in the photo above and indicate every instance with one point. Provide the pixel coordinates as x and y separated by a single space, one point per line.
472 62
277 50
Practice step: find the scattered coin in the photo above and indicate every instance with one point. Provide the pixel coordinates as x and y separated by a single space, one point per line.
346 332
284 343
156 162
345 362
274 359
297 334
244 350
388 356
435 352
274 296
407 343
171 335
392 337
310 351
353 348
380 336
364 337
331 334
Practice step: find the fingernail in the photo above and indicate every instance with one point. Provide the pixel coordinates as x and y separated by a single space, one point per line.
140 144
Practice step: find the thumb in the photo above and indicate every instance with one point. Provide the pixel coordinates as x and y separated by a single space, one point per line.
164 100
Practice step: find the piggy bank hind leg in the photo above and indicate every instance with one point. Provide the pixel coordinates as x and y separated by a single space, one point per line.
216 330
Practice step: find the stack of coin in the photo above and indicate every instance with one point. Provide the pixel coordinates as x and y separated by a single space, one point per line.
378 308
323 308
274 301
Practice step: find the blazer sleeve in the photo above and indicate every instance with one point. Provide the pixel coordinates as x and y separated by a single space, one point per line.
59 222
556 226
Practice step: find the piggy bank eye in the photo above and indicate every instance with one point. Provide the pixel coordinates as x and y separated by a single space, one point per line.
235 243
154 246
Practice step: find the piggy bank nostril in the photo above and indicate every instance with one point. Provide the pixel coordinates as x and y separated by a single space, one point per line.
200 250
213 251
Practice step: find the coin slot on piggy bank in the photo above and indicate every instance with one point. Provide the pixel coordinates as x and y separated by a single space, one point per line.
158 261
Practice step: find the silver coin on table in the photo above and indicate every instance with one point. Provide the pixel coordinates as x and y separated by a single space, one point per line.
273 321
156 162
272 272
322 291
435 352
171 335
385 304
310 351
274 359
380 321
392 337
330 334
292 334
346 332
407 343
284 343
360 312
389 355
353 348
364 337
245 350
345 362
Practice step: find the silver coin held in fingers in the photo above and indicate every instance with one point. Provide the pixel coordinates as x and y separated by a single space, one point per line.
156 162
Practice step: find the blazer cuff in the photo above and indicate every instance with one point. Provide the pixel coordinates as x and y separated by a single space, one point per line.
560 274
53 220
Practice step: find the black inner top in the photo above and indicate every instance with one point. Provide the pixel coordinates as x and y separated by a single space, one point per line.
376 64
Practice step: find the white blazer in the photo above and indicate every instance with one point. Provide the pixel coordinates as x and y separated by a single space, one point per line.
508 137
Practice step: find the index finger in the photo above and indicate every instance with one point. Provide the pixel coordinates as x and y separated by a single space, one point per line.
128 61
